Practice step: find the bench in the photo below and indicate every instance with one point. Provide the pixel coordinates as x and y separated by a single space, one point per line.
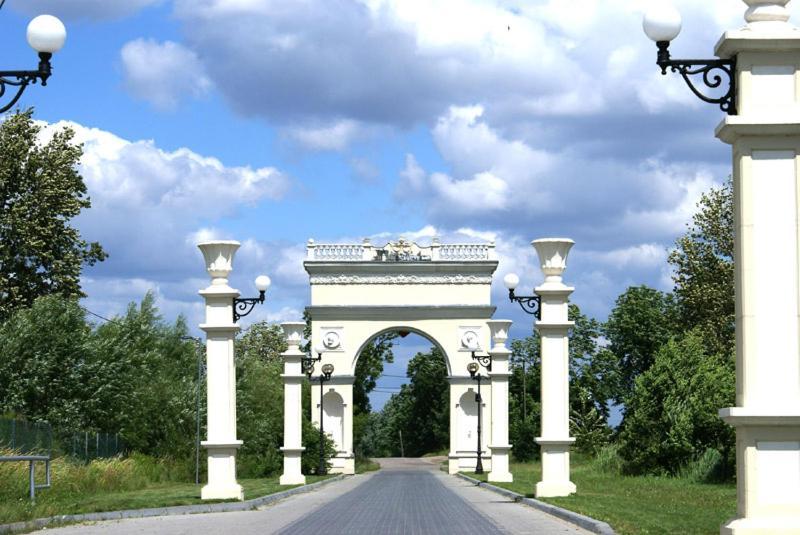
32 460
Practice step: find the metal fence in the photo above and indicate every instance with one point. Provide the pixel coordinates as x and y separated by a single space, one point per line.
40 438
26 437
88 446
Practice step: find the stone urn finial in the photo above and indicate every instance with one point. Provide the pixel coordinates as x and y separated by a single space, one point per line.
219 259
499 330
553 254
293 331
766 13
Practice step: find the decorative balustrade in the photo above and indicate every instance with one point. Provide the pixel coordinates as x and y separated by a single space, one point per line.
337 252
466 251
400 251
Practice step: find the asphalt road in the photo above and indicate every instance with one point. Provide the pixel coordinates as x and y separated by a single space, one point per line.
407 496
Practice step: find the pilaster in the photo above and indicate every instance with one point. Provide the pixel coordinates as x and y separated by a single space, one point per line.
553 330
499 375
293 378
221 445
765 138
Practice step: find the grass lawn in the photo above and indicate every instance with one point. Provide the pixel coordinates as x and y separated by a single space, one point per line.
636 505
152 495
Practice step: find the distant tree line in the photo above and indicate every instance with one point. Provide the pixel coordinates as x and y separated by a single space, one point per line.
665 360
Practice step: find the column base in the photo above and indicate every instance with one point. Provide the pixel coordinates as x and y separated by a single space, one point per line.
500 472
222 483
779 525
452 466
222 492
555 489
555 468
292 467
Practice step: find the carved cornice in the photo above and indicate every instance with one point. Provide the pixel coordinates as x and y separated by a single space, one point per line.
400 278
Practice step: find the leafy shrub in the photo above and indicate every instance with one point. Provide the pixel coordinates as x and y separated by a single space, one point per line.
710 467
523 437
671 418
310 459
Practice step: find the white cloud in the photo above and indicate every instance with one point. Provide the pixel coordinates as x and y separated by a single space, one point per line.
162 73
398 62
335 136
507 183
647 255
149 209
83 9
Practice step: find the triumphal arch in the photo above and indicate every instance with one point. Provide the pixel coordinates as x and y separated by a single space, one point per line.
440 291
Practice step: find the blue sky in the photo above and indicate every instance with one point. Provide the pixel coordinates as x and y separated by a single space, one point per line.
275 121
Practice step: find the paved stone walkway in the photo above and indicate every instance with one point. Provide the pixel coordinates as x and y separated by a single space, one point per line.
407 496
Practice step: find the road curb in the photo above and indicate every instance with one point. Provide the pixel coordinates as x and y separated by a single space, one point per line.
247 505
587 523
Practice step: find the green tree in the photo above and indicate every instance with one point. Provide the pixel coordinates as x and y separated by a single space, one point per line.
420 411
44 352
40 192
145 381
259 398
524 406
643 319
369 368
671 418
703 271
594 373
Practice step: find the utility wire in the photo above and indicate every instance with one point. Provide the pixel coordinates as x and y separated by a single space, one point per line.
95 314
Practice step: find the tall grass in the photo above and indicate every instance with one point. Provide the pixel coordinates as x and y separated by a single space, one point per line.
72 480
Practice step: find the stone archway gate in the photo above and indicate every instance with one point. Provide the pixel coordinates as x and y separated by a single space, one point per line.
442 292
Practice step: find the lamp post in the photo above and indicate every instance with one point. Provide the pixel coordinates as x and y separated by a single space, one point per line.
473 368
244 306
198 346
327 371
763 128
531 304
46 34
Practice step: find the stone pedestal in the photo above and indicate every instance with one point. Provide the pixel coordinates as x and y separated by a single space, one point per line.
553 329
293 378
499 375
220 330
765 137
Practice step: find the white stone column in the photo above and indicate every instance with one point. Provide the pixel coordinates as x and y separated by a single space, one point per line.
293 378
765 136
553 329
220 330
499 445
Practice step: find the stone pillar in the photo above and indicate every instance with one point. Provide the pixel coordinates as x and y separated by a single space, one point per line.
220 330
765 136
293 378
499 445
553 329
455 395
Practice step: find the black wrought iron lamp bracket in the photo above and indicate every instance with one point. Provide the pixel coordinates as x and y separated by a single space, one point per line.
532 304
483 360
713 71
307 364
245 306
22 79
